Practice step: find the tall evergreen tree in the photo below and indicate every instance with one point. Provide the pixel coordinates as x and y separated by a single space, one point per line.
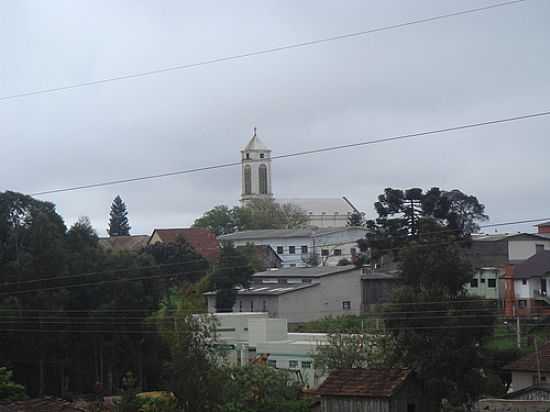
118 222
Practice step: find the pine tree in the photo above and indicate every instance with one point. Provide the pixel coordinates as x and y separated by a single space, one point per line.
356 219
118 222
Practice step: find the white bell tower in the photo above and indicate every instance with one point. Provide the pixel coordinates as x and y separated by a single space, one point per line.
256 170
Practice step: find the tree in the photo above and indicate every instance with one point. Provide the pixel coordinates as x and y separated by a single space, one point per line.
118 221
405 215
9 390
259 388
348 349
233 269
437 328
221 220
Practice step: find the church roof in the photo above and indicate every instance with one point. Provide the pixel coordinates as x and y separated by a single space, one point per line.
320 206
256 144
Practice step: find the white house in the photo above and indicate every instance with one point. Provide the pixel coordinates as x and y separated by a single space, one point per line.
296 247
300 294
532 369
250 336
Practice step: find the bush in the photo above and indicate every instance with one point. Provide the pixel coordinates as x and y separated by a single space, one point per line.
9 390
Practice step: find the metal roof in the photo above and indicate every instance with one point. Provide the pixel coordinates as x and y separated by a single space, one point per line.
327 206
270 290
311 272
284 233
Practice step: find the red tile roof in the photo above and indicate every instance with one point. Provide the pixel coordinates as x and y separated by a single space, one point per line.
370 383
528 363
202 240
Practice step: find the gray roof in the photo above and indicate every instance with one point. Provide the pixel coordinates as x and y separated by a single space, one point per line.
132 243
536 266
256 144
504 236
378 275
311 272
329 206
282 233
270 290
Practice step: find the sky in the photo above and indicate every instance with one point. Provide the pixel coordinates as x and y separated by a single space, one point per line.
471 68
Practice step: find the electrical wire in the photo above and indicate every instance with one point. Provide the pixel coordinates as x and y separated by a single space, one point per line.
301 153
259 52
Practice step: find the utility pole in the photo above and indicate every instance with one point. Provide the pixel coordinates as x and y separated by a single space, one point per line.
518 330
538 359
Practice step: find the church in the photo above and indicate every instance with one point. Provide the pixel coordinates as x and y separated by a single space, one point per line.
256 183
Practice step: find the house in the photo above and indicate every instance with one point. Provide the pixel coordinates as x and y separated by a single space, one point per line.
118 244
304 247
266 256
384 390
202 240
528 284
300 294
323 212
489 255
378 286
538 392
531 369
254 336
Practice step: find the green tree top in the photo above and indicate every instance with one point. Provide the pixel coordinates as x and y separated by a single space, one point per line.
118 221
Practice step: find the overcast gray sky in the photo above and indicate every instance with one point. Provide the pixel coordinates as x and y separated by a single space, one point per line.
466 69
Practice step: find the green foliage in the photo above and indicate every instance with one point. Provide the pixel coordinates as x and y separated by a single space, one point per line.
249 250
256 214
158 404
118 219
128 402
407 214
258 388
9 390
233 269
356 219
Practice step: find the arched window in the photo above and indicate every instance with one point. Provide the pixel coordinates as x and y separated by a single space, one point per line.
247 180
263 179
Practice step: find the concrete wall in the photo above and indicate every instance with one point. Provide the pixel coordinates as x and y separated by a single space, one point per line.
524 249
257 303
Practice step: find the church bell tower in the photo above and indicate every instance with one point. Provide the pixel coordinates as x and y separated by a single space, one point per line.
256 170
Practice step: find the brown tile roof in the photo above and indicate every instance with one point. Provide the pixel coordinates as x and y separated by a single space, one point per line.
536 266
370 383
528 363
124 243
202 240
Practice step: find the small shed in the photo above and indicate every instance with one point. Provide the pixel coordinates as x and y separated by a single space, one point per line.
371 390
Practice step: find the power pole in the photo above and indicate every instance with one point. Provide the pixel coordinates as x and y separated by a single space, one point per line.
518 330
538 359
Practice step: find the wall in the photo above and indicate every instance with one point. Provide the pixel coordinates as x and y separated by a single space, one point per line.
521 380
501 405
257 303
483 288
524 249
341 404
287 259
378 291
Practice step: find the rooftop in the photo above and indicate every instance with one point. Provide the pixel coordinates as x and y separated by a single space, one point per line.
283 233
311 272
536 266
528 363
380 275
482 237
328 206
370 383
202 240
270 290
255 144
124 243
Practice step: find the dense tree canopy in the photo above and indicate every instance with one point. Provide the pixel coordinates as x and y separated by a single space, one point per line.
118 219
256 214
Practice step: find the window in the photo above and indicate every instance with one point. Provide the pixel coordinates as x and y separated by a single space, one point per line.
247 180
473 283
337 252
346 305
482 280
292 250
248 155
262 175
292 364
306 364
492 283
306 280
539 248
293 265
353 251
251 306
283 281
522 303
272 363
280 250
304 250
240 305
261 155
324 252
524 282
264 306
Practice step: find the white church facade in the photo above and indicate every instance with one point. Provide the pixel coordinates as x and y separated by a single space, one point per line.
256 183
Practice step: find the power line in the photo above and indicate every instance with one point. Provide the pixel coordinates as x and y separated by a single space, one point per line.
260 52
302 153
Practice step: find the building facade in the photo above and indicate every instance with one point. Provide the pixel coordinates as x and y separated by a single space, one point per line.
304 247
